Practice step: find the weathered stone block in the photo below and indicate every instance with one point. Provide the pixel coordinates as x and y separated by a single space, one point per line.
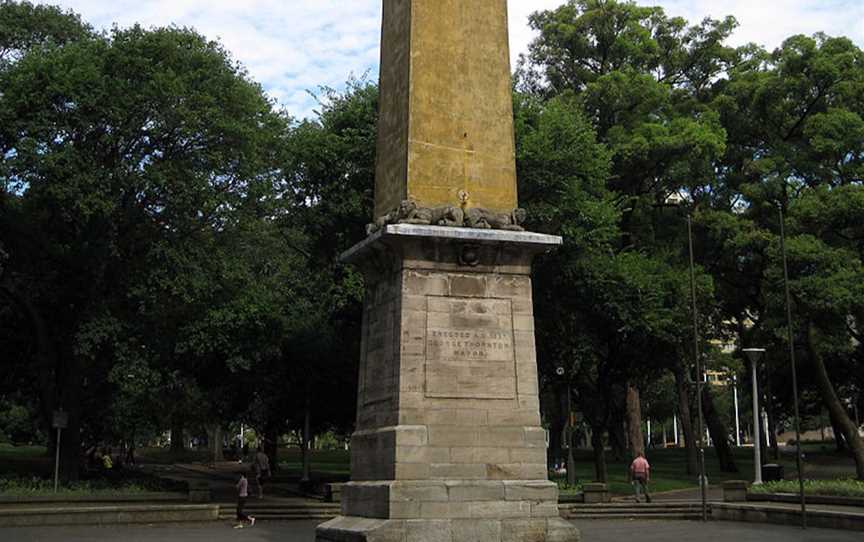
468 286
421 283
472 530
524 530
531 491
412 471
500 509
505 471
595 493
424 530
457 471
545 510
528 455
477 491
535 437
452 435
427 491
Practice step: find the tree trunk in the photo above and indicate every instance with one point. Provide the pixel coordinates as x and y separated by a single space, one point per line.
600 470
772 434
839 440
307 437
634 421
772 421
271 444
214 440
686 421
718 433
178 441
617 427
70 400
557 417
833 404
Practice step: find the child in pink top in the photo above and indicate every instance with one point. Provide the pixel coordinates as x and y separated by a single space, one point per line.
242 495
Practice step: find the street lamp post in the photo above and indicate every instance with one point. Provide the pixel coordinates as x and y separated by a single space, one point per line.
754 355
798 457
703 482
571 461
737 423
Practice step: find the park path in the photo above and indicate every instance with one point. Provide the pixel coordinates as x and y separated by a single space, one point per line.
593 531
222 478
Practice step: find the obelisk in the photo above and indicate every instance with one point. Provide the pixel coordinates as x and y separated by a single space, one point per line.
448 444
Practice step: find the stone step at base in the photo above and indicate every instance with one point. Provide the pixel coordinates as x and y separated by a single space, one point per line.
665 516
643 506
281 517
276 507
635 511
646 511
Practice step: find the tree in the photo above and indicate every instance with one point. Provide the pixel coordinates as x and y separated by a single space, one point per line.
793 121
644 81
125 149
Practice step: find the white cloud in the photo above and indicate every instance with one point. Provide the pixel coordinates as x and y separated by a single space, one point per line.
292 46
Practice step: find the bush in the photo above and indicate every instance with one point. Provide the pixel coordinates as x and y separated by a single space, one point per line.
834 488
22 487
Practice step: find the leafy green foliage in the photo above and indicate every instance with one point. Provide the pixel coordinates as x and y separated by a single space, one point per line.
833 488
24 26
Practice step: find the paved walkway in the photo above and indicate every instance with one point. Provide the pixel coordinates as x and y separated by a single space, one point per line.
592 531
223 477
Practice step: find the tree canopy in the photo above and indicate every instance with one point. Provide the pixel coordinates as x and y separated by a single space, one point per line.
169 236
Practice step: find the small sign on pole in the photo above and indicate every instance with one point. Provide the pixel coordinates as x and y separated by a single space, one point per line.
60 422
61 419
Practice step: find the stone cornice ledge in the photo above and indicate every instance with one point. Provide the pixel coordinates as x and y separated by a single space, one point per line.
536 242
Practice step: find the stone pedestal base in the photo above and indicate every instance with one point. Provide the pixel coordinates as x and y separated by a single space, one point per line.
448 445
354 529
450 511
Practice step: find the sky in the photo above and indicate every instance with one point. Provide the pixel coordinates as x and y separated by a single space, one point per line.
295 46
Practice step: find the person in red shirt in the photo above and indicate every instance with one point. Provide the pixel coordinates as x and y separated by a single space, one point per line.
640 475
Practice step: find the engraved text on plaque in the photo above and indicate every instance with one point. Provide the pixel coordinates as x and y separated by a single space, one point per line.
469 348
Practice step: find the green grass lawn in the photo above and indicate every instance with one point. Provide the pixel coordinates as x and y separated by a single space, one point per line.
669 470
331 464
668 465
25 461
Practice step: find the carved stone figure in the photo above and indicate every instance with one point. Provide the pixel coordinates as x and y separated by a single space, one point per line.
483 219
409 213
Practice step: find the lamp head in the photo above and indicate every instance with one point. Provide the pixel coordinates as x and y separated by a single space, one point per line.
754 354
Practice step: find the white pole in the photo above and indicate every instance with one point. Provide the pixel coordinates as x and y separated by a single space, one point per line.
737 423
57 463
766 430
649 433
757 455
675 427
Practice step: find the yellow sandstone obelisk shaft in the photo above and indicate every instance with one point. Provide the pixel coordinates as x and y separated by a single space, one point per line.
446 112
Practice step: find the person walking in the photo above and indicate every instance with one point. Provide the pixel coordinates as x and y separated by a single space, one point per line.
640 475
261 464
242 496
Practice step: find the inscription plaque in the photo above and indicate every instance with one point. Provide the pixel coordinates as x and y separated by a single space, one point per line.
469 348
